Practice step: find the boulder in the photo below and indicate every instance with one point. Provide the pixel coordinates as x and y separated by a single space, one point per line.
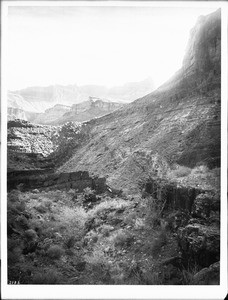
205 204
199 244
208 275
177 219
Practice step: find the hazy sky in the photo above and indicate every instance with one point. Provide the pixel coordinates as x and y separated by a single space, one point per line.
96 45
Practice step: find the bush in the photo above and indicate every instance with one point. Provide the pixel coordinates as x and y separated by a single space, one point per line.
180 171
20 206
14 255
55 252
122 238
200 170
70 242
41 209
105 229
130 218
153 219
72 217
108 204
91 237
51 277
30 234
158 243
14 196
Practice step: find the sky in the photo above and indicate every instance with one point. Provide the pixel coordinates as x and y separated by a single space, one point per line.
96 45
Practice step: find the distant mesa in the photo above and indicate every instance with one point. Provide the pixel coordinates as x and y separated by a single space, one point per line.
50 105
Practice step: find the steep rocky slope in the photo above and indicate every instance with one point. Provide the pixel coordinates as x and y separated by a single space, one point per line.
28 144
180 121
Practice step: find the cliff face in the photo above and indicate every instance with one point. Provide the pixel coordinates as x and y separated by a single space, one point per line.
87 110
51 115
180 121
204 49
16 113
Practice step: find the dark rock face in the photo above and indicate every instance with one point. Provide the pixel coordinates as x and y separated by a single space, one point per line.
199 240
208 275
173 196
204 51
199 244
195 218
205 205
41 179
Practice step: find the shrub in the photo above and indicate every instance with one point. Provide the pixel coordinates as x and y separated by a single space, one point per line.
30 234
88 191
70 242
96 258
55 252
139 223
92 236
22 221
108 204
180 171
158 243
14 255
216 172
130 218
20 206
41 209
153 219
72 217
47 203
14 196
51 277
105 229
123 238
200 170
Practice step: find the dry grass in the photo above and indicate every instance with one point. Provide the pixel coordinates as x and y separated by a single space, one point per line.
108 204
121 238
178 172
200 176
55 252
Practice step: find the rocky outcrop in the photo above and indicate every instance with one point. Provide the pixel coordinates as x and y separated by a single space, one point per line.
32 146
194 217
206 205
174 197
199 240
199 244
16 113
44 179
25 137
51 115
87 110
208 275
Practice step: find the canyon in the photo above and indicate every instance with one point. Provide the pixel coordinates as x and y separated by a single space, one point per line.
130 195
